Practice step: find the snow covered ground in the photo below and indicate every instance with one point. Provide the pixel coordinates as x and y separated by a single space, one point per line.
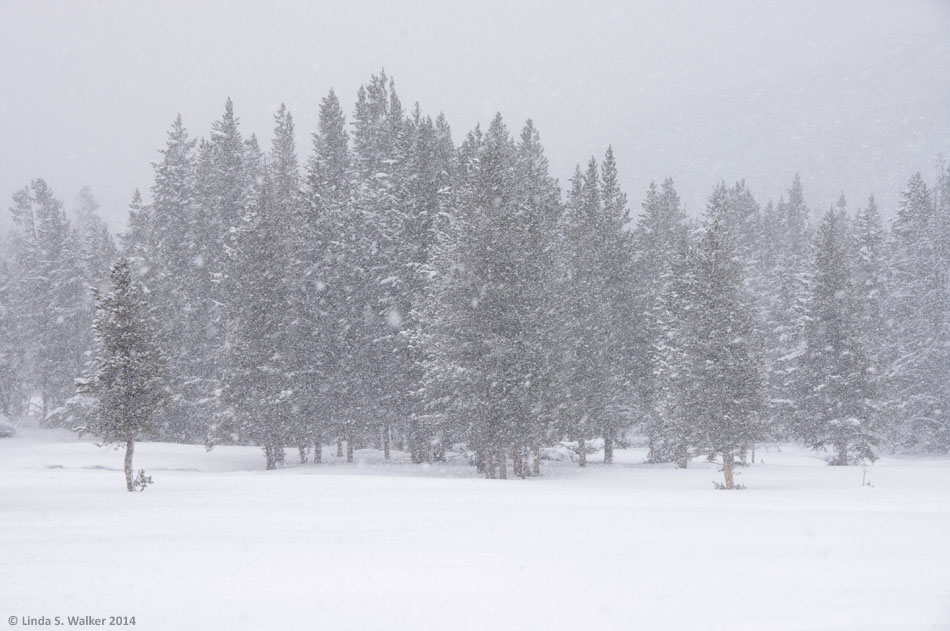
217 543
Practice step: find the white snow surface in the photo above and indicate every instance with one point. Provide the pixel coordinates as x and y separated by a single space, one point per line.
218 543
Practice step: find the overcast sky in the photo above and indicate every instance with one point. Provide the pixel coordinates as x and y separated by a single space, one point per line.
854 95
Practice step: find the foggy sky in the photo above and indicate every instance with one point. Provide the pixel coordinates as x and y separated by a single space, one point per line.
855 96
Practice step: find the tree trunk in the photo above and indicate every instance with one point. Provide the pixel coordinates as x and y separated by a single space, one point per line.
349 450
441 452
270 455
581 452
502 465
129 449
489 465
317 448
727 469
608 446
339 447
386 440
842 458
516 464
303 453
536 462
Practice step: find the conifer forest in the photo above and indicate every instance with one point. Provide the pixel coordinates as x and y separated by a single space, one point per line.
386 287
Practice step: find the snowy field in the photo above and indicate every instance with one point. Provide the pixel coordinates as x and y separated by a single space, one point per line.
217 543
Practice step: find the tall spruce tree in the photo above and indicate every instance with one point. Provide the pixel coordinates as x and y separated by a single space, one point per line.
917 310
253 398
164 243
593 375
660 239
324 265
784 289
715 359
125 377
837 392
48 295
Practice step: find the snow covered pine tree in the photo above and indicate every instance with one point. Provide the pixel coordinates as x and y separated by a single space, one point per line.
125 376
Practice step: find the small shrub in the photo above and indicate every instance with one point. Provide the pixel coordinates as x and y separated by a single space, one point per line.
722 487
141 481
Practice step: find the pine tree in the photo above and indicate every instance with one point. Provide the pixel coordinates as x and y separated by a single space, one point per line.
917 300
784 287
428 170
254 378
540 204
485 350
715 367
660 241
48 294
228 173
593 375
322 269
838 397
164 243
870 284
13 386
125 377
621 299
96 245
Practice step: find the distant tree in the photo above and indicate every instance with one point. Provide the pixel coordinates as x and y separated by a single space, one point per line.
324 267
163 244
97 248
48 294
837 407
870 283
919 318
593 263
715 355
125 377
13 385
660 241
254 376
485 358
782 282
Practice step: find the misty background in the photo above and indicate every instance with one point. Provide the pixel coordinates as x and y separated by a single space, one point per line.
853 95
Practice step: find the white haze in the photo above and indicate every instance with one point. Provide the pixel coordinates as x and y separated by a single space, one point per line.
853 95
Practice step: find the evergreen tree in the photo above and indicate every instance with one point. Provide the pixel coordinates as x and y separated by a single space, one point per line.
254 379
48 294
838 398
323 268
625 323
870 285
228 174
485 348
125 377
164 241
428 170
715 360
286 304
660 241
593 375
784 288
13 387
917 309
97 247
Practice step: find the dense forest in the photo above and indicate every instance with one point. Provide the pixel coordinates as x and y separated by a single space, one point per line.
398 291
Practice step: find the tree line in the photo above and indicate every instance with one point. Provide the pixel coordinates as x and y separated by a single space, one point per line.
399 291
